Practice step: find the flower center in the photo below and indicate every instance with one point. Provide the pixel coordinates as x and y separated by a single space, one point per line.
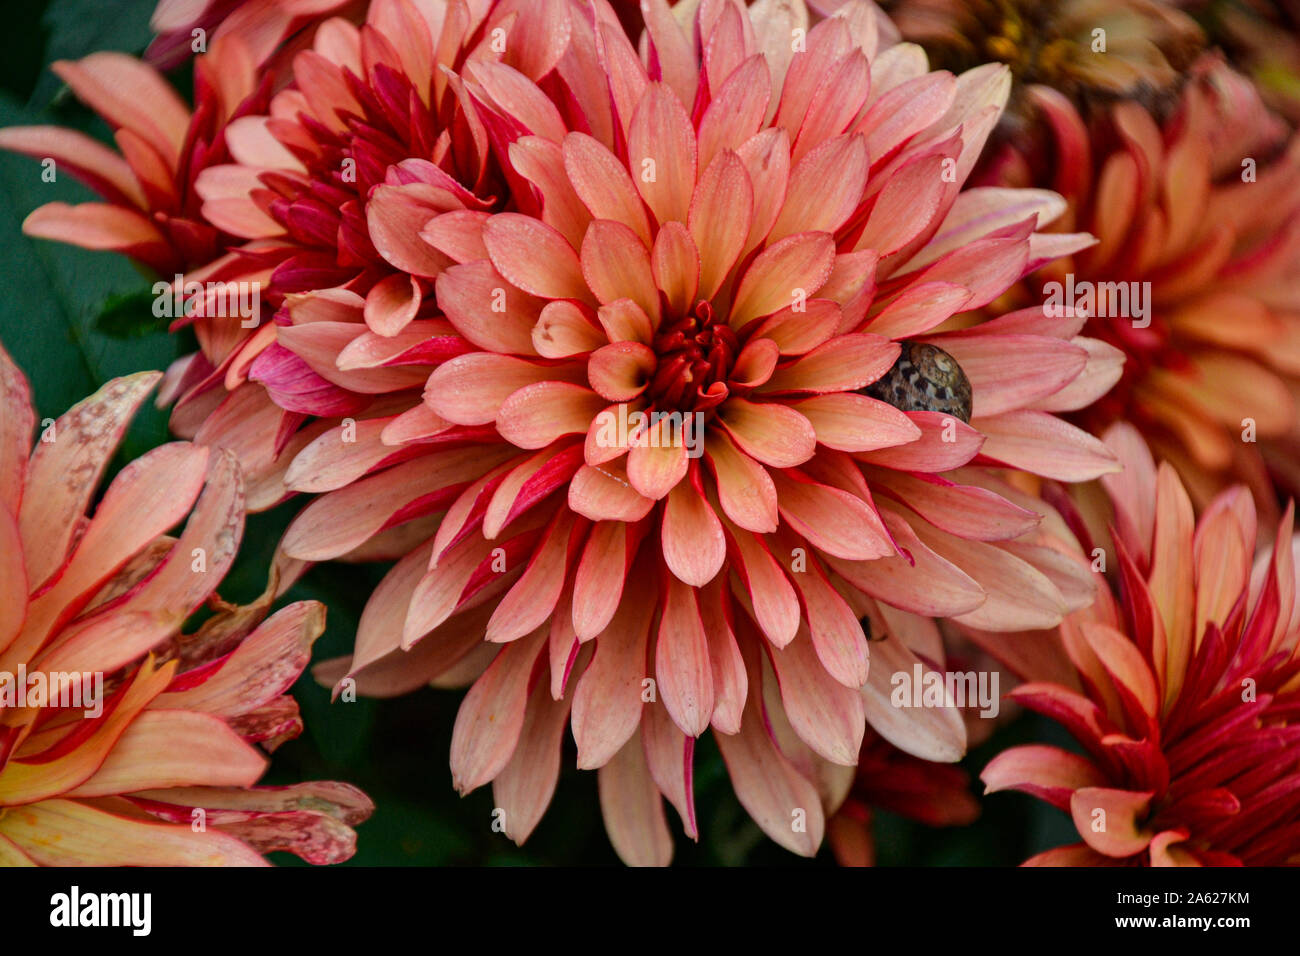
695 355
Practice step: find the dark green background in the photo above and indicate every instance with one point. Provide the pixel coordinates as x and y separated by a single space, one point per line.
75 319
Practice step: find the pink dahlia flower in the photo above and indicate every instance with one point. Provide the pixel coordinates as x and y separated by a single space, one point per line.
1185 689
124 740
691 414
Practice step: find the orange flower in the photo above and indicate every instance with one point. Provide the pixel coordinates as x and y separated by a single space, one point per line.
1189 677
123 740
691 416
1197 216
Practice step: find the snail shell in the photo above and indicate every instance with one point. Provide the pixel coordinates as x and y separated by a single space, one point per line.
925 378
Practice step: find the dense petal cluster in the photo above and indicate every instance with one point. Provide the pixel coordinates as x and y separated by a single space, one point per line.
687 412
1186 687
123 739
1193 277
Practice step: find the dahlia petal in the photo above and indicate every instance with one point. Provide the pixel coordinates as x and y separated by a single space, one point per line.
488 310
730 681
395 217
930 733
798 333
776 606
963 510
1008 372
174 748
770 789
921 580
524 788
13 580
1104 367
301 368
906 207
529 484
603 493
775 435
661 148
1049 773
563 330
919 308
149 496
668 754
602 572
1044 445
836 632
534 257
1124 663
682 665
69 833
833 521
491 717
337 522
1120 835
945 443
906 108
625 321
603 184
672 51
607 703
99 226
1076 854
856 423
720 216
536 415
25 782
745 489
843 364
1020 597
392 304
531 601
132 94
977 212
1172 579
834 107
631 808
69 470
458 234
827 715
263 666
675 261
766 156
89 160
616 265
736 111
783 274
519 98
693 545
657 462
472 389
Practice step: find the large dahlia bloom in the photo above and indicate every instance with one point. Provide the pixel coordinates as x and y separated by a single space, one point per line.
1198 215
1187 686
690 416
123 739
